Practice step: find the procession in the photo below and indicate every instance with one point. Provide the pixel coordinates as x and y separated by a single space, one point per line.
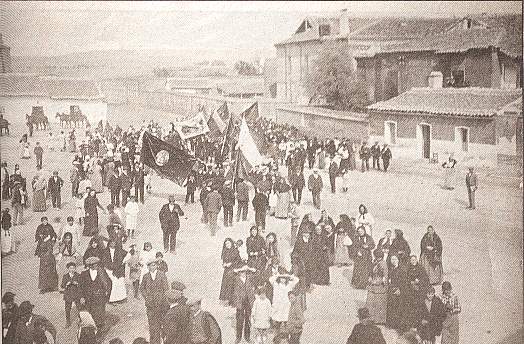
221 223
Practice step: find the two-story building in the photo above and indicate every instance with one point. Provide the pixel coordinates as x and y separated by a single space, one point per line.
470 53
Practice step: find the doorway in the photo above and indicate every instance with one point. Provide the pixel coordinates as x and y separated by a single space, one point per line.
425 130
462 138
390 132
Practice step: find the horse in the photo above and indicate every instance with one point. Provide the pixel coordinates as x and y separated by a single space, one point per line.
65 119
79 119
4 126
38 122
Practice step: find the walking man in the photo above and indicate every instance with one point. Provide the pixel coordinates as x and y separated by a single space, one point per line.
243 298
54 187
375 154
126 184
213 206
71 288
386 156
243 199
17 203
315 185
114 184
333 171
176 320
472 185
153 288
297 185
39 152
228 202
364 153
170 223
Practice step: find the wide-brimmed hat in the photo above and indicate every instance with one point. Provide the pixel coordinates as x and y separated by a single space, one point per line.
92 261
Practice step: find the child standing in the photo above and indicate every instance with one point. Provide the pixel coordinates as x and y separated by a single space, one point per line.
261 316
8 240
295 219
71 290
161 263
134 269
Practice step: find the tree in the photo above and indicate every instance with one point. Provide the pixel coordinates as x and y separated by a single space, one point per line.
334 78
246 68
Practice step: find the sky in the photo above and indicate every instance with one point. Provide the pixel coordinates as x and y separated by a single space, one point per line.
57 28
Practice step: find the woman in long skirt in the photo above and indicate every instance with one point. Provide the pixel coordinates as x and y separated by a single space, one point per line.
39 185
91 206
377 296
96 177
450 326
397 284
431 255
319 258
47 275
345 234
364 245
283 200
115 269
230 257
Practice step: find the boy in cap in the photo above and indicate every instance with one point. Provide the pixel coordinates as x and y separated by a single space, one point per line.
70 287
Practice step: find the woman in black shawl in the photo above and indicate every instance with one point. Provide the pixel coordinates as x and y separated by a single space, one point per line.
364 245
431 255
94 249
417 285
306 226
47 276
400 248
91 206
230 258
397 294
320 257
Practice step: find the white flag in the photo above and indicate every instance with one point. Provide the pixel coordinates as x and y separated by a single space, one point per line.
247 146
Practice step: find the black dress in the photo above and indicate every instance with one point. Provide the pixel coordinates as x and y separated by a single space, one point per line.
320 259
228 277
91 206
363 267
396 297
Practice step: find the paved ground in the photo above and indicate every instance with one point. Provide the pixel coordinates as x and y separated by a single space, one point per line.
482 251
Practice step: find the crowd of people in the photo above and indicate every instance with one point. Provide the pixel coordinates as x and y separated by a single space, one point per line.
267 286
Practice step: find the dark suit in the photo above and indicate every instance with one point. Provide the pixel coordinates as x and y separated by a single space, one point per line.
71 286
297 185
54 187
116 264
114 184
154 293
333 171
27 334
170 224
471 184
126 183
243 200
242 299
366 333
434 317
96 294
176 324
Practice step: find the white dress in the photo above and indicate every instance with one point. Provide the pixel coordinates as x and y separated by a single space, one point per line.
367 221
118 288
131 211
281 302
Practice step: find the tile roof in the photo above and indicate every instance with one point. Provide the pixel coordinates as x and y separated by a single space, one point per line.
22 85
323 112
390 29
471 101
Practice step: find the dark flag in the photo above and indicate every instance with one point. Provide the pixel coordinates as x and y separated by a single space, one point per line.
251 113
228 139
252 117
216 122
167 160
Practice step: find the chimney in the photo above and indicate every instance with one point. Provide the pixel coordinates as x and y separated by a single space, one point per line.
344 22
435 80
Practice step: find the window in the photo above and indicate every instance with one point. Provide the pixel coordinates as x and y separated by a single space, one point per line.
324 30
462 138
458 78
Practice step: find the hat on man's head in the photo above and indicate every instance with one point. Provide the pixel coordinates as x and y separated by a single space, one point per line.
152 260
25 308
173 294
92 261
8 297
176 285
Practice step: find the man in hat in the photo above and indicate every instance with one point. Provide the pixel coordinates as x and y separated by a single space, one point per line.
471 185
114 184
375 154
333 172
228 202
176 321
365 153
203 327
39 152
242 299
242 195
9 317
18 198
315 186
430 313
386 156
30 326
206 189
213 205
126 184
170 223
95 289
153 288
71 288
365 332
54 187
74 178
